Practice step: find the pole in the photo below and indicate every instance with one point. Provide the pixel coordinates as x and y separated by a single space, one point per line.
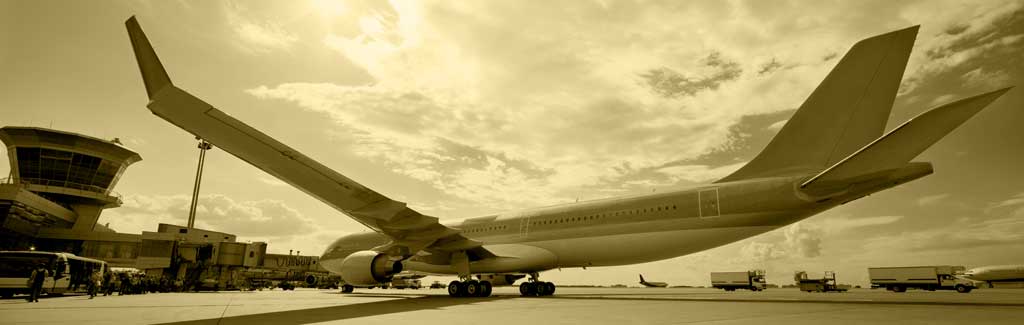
203 146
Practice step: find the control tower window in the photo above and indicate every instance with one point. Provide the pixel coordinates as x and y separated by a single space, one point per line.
54 165
28 162
83 168
105 174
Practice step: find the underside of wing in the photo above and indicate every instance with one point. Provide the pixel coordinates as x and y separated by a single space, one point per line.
410 231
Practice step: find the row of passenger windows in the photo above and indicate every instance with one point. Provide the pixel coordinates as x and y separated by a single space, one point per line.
485 229
578 219
603 215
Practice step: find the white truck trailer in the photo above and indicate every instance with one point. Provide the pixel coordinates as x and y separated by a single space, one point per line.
931 278
730 281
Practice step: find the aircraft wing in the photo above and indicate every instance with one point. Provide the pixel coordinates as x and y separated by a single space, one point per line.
410 231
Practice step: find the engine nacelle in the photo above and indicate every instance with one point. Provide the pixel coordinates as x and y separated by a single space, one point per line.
368 268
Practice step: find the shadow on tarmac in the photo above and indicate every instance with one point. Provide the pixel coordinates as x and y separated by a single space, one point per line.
324 314
633 297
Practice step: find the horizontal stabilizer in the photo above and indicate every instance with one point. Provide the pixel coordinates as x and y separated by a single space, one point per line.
896 148
153 73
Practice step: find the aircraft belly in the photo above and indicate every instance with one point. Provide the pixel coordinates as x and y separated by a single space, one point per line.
512 258
643 247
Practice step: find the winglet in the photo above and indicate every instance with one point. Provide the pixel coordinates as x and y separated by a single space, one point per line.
153 73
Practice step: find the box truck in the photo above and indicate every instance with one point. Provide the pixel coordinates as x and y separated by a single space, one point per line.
931 278
730 281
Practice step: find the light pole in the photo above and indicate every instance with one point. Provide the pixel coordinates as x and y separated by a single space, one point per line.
203 146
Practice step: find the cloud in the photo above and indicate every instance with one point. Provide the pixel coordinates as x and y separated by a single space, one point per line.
670 83
842 224
272 181
952 38
943 99
1011 202
798 241
262 218
769 67
575 103
257 36
931 199
804 241
699 173
965 235
987 79
777 125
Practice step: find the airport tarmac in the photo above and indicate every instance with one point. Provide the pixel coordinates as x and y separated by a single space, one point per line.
568 306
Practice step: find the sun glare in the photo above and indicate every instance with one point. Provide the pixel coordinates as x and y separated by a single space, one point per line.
329 8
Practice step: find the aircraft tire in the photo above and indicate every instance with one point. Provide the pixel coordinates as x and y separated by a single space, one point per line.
527 289
485 288
551 288
541 288
456 289
472 289
347 289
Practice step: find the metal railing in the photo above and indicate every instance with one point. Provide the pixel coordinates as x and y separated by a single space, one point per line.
26 181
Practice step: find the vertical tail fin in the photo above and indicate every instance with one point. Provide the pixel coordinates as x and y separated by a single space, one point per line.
641 278
848 110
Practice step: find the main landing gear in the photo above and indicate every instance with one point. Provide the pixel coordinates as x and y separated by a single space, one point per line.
529 289
471 288
535 287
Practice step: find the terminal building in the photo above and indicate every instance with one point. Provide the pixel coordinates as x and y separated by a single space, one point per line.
60 182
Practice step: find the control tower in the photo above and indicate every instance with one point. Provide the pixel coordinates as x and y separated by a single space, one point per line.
74 171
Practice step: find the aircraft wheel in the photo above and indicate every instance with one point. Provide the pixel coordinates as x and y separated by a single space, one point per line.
551 288
527 289
898 289
455 288
472 288
542 289
485 288
962 288
347 289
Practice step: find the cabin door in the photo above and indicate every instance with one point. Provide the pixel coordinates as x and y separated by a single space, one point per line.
524 226
708 202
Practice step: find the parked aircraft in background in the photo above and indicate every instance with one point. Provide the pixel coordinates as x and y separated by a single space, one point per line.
830 152
996 273
652 284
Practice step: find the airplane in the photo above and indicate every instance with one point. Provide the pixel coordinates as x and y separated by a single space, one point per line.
652 284
996 273
832 151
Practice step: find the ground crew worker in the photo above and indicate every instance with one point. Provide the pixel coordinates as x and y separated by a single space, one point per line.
36 282
95 281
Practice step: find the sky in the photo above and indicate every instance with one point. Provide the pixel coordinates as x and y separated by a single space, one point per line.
466 108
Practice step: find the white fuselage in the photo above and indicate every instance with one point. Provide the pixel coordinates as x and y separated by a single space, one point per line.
996 273
627 230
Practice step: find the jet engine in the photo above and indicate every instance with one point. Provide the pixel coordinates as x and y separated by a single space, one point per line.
368 268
